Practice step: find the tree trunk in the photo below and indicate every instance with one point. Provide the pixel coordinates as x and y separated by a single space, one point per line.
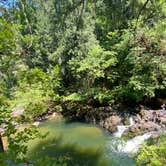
1 144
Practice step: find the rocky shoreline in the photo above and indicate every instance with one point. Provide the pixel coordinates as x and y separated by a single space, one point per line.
144 119
148 121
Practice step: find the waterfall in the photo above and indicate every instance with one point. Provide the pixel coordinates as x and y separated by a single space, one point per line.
122 128
131 121
120 131
133 144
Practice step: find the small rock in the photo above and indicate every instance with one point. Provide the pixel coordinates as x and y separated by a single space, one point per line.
114 120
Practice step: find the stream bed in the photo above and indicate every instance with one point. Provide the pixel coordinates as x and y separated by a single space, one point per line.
80 144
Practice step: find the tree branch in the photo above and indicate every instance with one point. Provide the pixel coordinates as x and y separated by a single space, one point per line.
143 7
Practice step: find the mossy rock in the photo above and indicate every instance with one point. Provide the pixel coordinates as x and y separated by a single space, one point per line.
127 121
130 135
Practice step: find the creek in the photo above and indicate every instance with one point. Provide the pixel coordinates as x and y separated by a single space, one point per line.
84 144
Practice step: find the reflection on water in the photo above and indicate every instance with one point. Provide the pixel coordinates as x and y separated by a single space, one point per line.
80 144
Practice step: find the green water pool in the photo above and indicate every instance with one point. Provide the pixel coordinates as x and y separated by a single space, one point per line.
80 144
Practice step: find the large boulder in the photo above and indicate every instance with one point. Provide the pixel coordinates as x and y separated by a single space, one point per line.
112 122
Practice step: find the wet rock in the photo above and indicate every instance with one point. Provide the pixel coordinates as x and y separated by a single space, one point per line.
115 120
112 122
134 128
101 123
130 133
163 120
126 121
141 128
145 119
150 126
112 129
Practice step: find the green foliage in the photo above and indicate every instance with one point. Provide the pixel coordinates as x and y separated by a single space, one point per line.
9 54
93 66
16 138
138 73
74 97
100 51
35 90
32 99
153 154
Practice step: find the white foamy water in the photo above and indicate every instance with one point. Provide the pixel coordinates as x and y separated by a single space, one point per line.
133 144
122 128
130 146
131 121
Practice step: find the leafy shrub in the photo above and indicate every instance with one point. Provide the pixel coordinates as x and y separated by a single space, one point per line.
153 154
35 90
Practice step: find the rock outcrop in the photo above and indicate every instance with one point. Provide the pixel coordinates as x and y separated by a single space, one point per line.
147 121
